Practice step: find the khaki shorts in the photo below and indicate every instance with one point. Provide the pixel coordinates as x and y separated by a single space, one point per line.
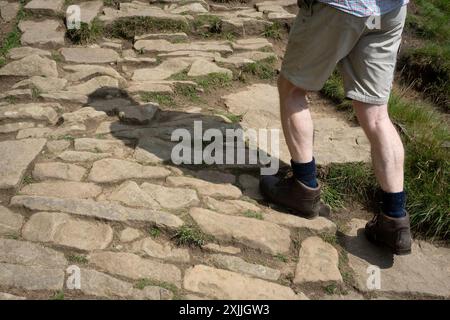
326 37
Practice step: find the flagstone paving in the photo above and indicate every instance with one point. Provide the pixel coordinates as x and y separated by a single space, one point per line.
87 178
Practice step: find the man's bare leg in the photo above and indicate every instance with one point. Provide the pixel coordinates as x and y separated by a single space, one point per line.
391 227
296 119
300 192
386 145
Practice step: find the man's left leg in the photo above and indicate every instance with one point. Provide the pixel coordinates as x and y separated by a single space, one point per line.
391 227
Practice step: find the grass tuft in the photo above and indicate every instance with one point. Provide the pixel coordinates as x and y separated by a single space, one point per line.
190 236
263 69
88 33
163 99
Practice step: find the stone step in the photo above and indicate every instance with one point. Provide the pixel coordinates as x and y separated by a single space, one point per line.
222 284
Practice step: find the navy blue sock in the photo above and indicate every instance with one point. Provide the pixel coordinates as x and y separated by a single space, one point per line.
305 173
394 204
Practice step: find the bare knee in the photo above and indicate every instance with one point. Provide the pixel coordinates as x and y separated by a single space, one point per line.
290 95
372 118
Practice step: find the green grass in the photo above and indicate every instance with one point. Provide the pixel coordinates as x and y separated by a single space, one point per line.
76 258
253 214
213 81
187 91
263 69
145 282
88 33
213 24
281 257
428 69
427 65
154 232
58 295
190 236
424 132
430 20
273 31
234 118
163 99
128 28
12 39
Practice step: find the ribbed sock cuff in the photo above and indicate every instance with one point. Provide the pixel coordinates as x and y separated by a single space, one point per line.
306 173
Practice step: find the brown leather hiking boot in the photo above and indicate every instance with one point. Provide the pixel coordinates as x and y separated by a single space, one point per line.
394 233
292 194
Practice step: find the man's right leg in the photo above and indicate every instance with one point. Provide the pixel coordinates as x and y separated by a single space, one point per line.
299 192
296 120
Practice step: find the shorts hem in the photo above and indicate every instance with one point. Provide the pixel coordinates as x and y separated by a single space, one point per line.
367 99
299 82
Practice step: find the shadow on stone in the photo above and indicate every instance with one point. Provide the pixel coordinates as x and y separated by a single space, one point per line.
360 247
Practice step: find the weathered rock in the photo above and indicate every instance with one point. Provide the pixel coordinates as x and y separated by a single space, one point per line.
154 150
57 146
9 10
254 55
81 72
216 176
231 206
318 262
102 210
234 61
172 37
237 264
251 44
15 126
29 66
134 267
90 10
62 229
65 96
10 222
166 46
89 55
202 67
223 249
82 156
30 254
62 189
100 284
100 145
113 170
163 251
194 7
94 84
425 271
31 277
33 133
83 114
205 188
7 296
51 7
17 94
16 157
36 111
58 170
163 71
171 198
22 52
139 9
47 32
131 195
250 232
43 84
222 284
129 234
319 224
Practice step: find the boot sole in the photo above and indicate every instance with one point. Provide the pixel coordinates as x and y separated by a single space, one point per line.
396 251
292 211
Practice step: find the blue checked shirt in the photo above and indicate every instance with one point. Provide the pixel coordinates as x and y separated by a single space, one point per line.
365 8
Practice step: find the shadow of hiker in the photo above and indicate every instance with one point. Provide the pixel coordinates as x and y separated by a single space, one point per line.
360 247
148 129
